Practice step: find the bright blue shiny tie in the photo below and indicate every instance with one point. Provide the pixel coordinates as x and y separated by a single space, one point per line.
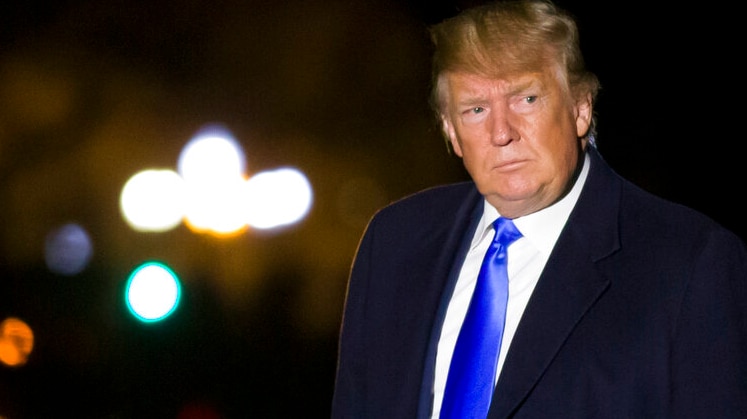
471 379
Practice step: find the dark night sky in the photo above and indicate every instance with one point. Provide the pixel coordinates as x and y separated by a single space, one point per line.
92 91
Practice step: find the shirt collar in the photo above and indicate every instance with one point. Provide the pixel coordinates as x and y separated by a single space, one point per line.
541 228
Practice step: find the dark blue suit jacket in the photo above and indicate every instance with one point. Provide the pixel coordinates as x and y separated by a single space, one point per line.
640 312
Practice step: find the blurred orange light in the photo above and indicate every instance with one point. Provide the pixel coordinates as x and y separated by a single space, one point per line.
16 342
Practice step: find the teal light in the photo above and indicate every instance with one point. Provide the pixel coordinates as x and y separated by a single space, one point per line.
153 292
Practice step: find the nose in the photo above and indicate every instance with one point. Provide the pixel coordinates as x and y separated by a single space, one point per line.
502 131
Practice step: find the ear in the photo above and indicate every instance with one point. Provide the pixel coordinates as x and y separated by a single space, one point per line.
448 130
583 115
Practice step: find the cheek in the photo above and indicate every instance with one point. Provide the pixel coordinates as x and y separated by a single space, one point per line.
563 159
468 141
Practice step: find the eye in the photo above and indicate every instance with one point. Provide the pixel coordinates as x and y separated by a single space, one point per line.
473 110
530 99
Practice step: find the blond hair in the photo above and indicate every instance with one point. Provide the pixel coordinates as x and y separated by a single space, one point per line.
510 37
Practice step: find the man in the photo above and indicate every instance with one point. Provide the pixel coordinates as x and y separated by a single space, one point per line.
620 304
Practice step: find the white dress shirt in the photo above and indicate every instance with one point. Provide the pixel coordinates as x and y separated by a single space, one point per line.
526 260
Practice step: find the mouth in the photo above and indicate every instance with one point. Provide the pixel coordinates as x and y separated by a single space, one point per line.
510 165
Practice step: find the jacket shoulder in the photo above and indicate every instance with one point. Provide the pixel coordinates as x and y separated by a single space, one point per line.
437 201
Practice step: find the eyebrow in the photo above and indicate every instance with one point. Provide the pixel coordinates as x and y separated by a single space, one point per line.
475 96
523 85
471 100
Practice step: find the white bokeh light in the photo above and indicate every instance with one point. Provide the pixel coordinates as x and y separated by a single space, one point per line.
219 207
153 200
277 197
212 155
211 191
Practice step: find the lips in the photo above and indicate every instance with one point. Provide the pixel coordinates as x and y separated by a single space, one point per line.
510 165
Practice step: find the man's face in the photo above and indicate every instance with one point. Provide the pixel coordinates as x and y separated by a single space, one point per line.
519 138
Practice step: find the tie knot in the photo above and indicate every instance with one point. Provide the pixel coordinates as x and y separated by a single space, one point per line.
505 231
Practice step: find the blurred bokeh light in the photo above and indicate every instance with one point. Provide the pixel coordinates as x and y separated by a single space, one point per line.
212 193
153 292
211 156
68 249
277 198
153 200
16 342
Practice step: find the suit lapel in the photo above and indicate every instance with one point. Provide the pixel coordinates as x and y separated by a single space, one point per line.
558 303
450 260
568 287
